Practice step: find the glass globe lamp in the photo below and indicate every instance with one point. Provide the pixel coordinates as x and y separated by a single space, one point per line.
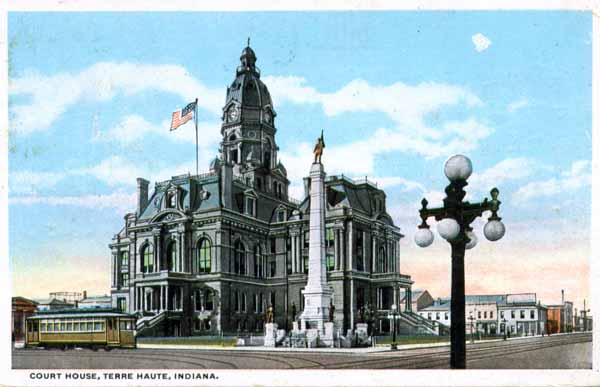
494 230
448 229
423 237
473 240
458 167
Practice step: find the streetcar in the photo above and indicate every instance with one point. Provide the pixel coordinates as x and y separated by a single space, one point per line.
94 328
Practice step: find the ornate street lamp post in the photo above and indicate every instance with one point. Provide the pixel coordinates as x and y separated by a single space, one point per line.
455 218
504 328
392 317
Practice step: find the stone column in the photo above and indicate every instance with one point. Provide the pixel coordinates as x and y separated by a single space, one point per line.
215 262
113 270
398 256
167 297
299 255
342 248
293 237
390 256
182 254
373 253
157 253
350 260
336 245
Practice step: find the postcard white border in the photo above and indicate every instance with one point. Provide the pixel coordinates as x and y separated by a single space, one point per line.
313 377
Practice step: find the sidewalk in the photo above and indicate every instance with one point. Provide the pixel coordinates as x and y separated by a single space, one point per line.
377 349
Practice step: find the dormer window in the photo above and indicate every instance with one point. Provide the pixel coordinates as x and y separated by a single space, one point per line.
281 215
171 200
250 206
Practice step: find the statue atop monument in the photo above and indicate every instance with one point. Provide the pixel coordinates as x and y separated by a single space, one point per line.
319 146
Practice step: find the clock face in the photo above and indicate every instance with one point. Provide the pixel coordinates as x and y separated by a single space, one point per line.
233 113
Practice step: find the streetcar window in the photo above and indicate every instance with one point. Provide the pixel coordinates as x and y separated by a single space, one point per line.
62 326
89 326
35 326
76 326
43 327
97 326
69 325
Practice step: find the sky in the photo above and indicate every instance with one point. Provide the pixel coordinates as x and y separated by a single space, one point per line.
396 93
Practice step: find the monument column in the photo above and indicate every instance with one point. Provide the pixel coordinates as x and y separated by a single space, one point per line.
317 294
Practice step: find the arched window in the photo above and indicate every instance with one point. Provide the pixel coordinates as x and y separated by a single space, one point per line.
147 258
204 256
258 262
239 262
172 257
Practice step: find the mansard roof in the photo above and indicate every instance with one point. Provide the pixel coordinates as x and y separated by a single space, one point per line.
195 193
360 195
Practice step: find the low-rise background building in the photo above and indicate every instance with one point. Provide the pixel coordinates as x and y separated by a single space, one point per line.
21 308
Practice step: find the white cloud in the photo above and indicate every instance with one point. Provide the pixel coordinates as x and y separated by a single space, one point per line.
391 181
481 42
517 105
113 171
507 169
357 158
405 104
133 128
30 182
577 177
50 96
123 202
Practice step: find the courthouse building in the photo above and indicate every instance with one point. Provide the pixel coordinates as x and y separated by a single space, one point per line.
207 254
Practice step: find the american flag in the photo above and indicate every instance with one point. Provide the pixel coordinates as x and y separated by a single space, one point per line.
182 116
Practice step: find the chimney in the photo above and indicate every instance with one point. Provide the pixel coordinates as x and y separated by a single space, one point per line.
84 294
142 194
306 187
562 296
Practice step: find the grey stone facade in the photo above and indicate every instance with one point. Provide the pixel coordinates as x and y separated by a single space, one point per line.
207 254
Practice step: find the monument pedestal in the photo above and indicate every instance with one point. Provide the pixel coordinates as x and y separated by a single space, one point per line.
270 335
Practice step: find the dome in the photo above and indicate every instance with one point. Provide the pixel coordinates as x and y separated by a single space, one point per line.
247 89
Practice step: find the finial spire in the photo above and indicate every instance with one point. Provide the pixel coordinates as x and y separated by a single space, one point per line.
248 44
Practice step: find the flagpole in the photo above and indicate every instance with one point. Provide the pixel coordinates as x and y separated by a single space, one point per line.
196 122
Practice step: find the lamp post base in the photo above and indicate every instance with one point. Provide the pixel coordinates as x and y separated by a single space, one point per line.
394 347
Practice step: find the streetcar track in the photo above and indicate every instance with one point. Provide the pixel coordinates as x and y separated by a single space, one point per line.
149 356
437 357
425 357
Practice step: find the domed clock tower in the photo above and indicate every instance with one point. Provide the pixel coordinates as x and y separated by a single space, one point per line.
248 130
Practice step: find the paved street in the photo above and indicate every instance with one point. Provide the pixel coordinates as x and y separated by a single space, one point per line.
560 351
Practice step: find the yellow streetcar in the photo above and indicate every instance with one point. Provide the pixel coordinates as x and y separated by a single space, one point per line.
93 328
